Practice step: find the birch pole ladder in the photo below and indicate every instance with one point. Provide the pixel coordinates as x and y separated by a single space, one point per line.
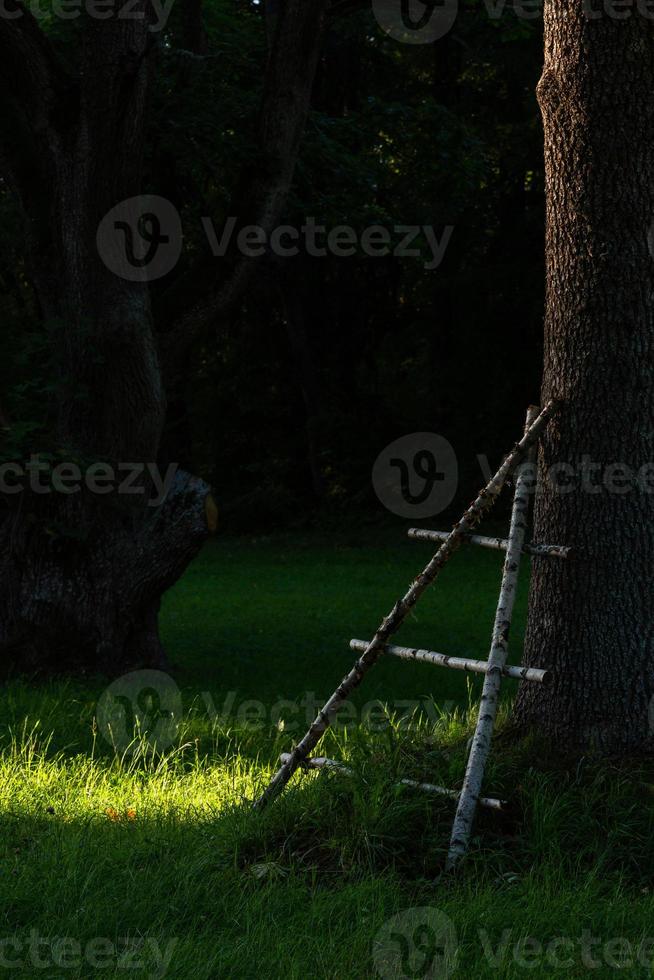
493 669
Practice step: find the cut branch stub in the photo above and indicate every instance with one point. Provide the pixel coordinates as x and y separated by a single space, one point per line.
211 513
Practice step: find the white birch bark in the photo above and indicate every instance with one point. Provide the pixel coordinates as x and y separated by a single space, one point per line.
456 663
319 762
391 623
499 651
495 544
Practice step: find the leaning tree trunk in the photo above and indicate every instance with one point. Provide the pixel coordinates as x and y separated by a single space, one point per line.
590 618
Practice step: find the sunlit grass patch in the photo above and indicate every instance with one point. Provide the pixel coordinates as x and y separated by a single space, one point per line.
159 852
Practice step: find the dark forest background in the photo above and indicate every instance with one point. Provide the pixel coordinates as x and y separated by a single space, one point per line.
285 406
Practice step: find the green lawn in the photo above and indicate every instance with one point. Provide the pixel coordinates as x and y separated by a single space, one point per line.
118 864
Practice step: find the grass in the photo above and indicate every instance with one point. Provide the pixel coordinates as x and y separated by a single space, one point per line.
110 858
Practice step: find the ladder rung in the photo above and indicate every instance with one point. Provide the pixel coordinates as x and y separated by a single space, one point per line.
537 421
485 801
322 763
496 544
457 663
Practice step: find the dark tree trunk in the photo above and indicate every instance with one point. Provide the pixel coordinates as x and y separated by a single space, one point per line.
590 619
80 576
296 30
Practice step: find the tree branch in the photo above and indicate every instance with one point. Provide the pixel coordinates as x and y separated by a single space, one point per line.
285 104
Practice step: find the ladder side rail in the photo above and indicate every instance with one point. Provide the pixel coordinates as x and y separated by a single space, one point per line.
462 826
391 623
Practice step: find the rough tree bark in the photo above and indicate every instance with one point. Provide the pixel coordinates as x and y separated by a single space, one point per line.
74 152
590 618
71 146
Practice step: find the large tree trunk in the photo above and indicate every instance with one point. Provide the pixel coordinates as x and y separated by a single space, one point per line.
81 576
92 605
590 618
